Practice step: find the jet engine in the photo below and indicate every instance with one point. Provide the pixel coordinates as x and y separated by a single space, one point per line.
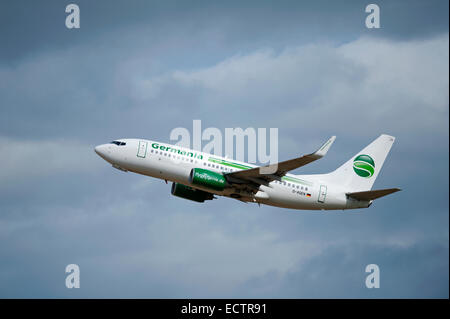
190 193
208 179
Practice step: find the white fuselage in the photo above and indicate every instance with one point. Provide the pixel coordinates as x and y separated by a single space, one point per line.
174 163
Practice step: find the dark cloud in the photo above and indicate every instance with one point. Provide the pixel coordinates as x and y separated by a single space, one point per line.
418 271
29 28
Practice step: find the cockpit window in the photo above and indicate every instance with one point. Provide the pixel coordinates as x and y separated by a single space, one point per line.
118 143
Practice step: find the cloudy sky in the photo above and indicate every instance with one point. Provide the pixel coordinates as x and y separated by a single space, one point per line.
142 68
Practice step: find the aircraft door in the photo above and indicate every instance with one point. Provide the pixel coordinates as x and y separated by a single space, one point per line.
322 194
142 149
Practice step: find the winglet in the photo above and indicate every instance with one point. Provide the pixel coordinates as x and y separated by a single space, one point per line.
322 151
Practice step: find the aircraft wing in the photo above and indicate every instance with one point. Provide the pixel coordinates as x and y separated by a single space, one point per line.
268 173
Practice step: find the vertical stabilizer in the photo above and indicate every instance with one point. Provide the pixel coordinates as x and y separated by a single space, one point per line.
360 171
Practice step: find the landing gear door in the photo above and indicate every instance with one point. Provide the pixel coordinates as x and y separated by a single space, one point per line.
142 149
322 194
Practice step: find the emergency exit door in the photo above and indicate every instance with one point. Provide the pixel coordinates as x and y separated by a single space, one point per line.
142 149
322 194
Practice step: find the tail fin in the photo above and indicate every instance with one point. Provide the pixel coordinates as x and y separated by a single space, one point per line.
359 172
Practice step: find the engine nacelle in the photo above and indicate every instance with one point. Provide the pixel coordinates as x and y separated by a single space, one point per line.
207 179
190 193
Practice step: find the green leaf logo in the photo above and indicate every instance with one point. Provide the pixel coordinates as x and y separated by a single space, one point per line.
364 166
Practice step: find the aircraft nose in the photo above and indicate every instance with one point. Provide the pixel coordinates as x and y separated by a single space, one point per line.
101 150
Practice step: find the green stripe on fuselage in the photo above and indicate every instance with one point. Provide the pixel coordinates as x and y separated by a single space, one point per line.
241 166
227 163
296 180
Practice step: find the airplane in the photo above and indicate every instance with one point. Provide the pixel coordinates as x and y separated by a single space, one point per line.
199 176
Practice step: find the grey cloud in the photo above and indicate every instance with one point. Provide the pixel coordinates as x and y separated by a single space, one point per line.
416 271
24 159
40 25
304 81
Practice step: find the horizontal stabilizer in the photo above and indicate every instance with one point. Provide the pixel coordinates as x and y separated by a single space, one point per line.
370 195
